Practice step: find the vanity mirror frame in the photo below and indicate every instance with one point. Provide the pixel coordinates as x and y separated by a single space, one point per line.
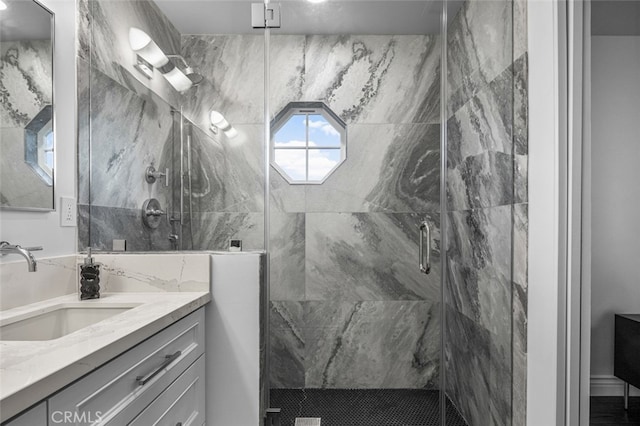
53 123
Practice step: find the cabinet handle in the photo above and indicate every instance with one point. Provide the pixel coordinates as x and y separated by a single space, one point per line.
142 380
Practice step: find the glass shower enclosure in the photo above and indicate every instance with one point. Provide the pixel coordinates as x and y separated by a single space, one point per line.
354 323
328 140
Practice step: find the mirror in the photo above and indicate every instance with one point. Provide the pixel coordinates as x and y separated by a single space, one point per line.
26 110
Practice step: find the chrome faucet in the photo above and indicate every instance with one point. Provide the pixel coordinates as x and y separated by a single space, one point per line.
6 248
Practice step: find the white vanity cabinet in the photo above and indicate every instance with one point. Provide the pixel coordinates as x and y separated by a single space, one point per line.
164 373
182 403
32 417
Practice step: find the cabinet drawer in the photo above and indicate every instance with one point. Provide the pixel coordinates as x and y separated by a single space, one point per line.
35 416
118 391
181 404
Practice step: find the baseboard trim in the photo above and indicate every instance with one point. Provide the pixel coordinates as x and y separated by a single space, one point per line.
610 386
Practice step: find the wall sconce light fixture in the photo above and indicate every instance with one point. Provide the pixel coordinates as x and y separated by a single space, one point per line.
144 67
153 56
219 122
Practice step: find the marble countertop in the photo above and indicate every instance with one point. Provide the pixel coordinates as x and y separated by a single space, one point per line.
30 371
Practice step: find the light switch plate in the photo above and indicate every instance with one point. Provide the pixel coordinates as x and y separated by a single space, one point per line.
68 211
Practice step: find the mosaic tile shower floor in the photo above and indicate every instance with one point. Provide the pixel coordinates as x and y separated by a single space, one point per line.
364 407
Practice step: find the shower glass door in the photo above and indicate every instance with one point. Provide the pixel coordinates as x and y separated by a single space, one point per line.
353 140
485 211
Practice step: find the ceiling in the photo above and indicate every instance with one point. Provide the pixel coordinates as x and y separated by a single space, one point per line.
303 17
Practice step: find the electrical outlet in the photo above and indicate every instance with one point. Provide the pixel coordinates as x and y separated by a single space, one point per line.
67 211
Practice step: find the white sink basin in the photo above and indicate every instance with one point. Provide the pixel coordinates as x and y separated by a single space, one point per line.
57 321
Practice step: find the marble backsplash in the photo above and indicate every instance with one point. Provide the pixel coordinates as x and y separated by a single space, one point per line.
142 272
153 272
55 276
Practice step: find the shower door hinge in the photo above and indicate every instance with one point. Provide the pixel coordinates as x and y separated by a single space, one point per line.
265 15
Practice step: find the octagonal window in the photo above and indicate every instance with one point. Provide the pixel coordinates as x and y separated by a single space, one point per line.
38 143
308 142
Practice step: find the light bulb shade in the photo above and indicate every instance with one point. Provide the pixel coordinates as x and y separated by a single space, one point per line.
218 120
231 132
3 5
178 80
146 48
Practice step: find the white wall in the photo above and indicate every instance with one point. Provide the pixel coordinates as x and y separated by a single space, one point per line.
31 228
544 352
233 340
615 177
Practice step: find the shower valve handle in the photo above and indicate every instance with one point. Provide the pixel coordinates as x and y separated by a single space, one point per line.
155 212
151 174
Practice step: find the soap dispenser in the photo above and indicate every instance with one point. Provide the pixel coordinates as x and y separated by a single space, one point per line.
89 278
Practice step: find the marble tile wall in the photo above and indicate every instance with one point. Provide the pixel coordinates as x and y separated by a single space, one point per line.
342 252
368 79
125 123
104 41
128 122
227 197
349 307
25 80
233 71
123 133
25 89
389 344
485 305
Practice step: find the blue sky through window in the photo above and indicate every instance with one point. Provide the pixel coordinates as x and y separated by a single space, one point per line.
321 133
293 133
48 149
310 159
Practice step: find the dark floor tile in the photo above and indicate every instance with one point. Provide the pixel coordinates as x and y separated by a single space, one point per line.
364 407
609 411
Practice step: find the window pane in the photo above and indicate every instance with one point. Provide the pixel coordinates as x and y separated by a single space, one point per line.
292 133
321 161
293 162
322 133
49 159
48 140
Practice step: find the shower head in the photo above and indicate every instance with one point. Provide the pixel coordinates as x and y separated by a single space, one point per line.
188 70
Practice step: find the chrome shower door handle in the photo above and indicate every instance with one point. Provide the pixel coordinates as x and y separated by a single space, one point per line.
425 260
